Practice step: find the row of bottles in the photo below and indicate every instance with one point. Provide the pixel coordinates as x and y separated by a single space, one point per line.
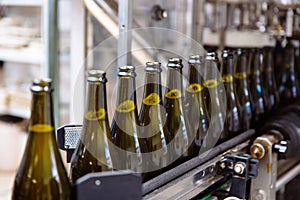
168 130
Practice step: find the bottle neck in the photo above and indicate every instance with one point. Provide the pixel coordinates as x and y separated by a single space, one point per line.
268 60
152 91
195 74
255 67
227 71
96 101
289 60
41 110
241 68
126 98
174 81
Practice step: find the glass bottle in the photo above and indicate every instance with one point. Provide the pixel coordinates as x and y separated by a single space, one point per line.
269 83
288 87
213 57
213 93
241 87
179 128
41 174
233 121
92 153
153 122
256 90
128 145
195 104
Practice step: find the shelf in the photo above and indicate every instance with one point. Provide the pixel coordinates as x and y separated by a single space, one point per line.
23 55
21 3
15 111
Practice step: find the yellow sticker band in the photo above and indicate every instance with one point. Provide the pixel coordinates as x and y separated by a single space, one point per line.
152 99
95 115
210 83
194 88
240 75
227 78
173 94
41 128
126 106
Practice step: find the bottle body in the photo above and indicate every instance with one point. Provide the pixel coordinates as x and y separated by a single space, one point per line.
195 104
269 83
153 123
256 90
128 145
288 87
41 174
176 120
214 97
242 89
233 121
93 151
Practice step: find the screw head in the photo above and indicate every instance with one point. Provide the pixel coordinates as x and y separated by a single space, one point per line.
239 168
257 151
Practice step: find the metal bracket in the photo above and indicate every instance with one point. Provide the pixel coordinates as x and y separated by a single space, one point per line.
262 148
241 167
68 137
105 184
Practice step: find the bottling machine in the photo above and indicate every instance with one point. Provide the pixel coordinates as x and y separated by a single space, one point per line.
257 164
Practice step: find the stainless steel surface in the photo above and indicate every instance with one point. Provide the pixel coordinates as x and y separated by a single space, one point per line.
185 187
284 179
50 37
263 187
125 35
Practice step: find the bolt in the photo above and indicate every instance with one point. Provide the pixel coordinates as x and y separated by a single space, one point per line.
98 182
257 151
239 167
260 195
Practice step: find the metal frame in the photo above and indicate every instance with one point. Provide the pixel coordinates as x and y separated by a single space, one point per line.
51 39
125 36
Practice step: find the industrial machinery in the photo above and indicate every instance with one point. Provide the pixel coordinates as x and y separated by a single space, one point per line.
257 164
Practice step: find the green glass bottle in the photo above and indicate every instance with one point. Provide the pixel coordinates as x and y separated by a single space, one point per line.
212 91
288 87
179 128
233 122
241 87
195 103
269 83
41 174
92 153
153 123
256 89
213 60
128 145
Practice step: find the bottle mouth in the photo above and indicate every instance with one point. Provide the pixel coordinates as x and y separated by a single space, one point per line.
211 56
97 76
195 59
227 54
240 52
41 85
175 63
153 67
127 70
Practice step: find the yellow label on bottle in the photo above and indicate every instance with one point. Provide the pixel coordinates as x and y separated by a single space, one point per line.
240 75
194 88
41 128
210 83
173 94
152 99
227 78
126 106
95 115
